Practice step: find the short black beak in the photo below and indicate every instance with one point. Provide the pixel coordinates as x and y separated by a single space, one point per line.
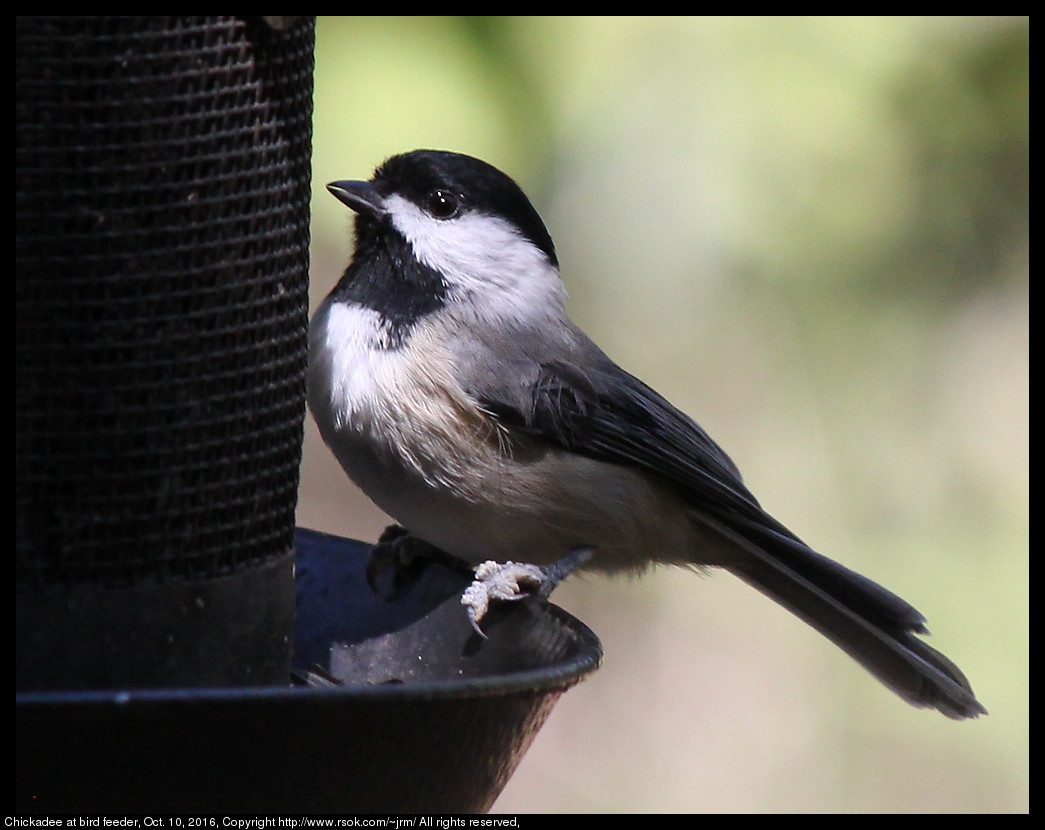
360 196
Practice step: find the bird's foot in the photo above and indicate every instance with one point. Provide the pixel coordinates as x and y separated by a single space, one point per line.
511 581
399 557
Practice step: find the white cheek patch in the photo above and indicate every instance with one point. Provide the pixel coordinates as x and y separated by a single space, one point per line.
484 259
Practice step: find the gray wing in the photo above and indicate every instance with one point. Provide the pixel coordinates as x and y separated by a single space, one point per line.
608 414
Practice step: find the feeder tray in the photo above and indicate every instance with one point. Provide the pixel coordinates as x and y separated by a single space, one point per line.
408 710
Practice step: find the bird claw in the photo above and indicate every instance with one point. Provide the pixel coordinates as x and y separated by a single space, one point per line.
511 581
399 557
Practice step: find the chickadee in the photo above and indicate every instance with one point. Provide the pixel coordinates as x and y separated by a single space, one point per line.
454 390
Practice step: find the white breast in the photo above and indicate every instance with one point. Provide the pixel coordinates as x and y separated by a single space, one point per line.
403 404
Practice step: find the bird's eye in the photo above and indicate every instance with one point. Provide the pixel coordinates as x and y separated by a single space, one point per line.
443 204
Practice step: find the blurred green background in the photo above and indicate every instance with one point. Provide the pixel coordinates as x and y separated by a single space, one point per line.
812 235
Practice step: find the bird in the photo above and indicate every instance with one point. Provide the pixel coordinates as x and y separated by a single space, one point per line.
453 388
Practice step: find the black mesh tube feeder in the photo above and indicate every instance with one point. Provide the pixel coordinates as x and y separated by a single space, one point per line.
164 597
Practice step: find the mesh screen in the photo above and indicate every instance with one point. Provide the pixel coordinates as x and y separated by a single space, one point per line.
162 186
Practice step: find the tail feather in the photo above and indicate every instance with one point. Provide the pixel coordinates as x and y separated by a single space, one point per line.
871 624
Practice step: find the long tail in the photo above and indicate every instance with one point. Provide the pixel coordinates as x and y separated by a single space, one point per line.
871 624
